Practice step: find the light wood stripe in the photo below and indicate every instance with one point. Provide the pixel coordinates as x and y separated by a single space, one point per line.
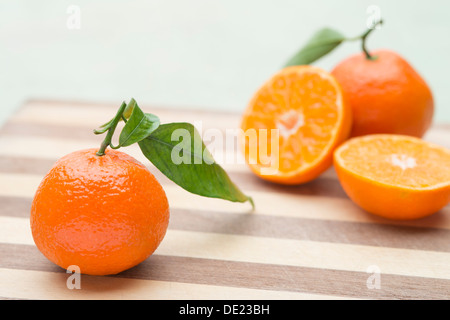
300 253
55 148
439 135
26 284
87 135
40 130
85 132
277 204
251 275
95 115
53 120
309 254
285 227
92 115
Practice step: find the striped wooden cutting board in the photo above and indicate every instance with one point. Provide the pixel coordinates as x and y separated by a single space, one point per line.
303 242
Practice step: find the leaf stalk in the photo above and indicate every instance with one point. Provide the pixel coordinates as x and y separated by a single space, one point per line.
111 127
363 38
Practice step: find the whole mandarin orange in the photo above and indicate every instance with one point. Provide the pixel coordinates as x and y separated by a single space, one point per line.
386 94
104 214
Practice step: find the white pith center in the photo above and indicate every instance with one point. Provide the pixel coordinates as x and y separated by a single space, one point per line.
402 161
289 123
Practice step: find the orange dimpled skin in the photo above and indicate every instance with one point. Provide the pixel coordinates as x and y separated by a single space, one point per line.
394 176
386 95
104 214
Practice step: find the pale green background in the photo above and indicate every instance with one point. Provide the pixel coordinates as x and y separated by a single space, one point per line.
197 53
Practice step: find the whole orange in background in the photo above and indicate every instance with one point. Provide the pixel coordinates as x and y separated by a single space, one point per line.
305 105
104 214
386 94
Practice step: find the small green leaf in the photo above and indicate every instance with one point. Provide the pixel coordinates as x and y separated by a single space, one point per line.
322 42
129 109
139 126
178 151
103 128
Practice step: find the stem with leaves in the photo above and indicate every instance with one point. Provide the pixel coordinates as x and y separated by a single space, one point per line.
110 127
156 141
363 38
326 40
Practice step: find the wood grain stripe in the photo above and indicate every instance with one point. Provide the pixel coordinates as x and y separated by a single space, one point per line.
267 203
70 131
285 227
40 130
15 206
55 148
325 187
312 229
69 114
265 250
439 135
251 275
89 105
54 144
33 111
95 115
26 284
25 185
87 135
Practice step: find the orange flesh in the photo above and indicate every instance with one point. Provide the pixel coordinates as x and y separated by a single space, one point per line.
405 162
305 108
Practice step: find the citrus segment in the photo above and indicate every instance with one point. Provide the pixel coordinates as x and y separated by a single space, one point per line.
306 108
394 176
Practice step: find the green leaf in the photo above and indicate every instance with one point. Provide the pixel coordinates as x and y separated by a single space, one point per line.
139 126
129 109
178 151
103 128
322 42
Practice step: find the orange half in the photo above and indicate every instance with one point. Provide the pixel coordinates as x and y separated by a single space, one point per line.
293 124
394 176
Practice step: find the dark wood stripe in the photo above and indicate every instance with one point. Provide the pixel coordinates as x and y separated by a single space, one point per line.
320 187
383 235
25 165
251 275
15 206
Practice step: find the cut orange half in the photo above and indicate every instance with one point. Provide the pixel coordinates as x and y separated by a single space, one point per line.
293 124
394 176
